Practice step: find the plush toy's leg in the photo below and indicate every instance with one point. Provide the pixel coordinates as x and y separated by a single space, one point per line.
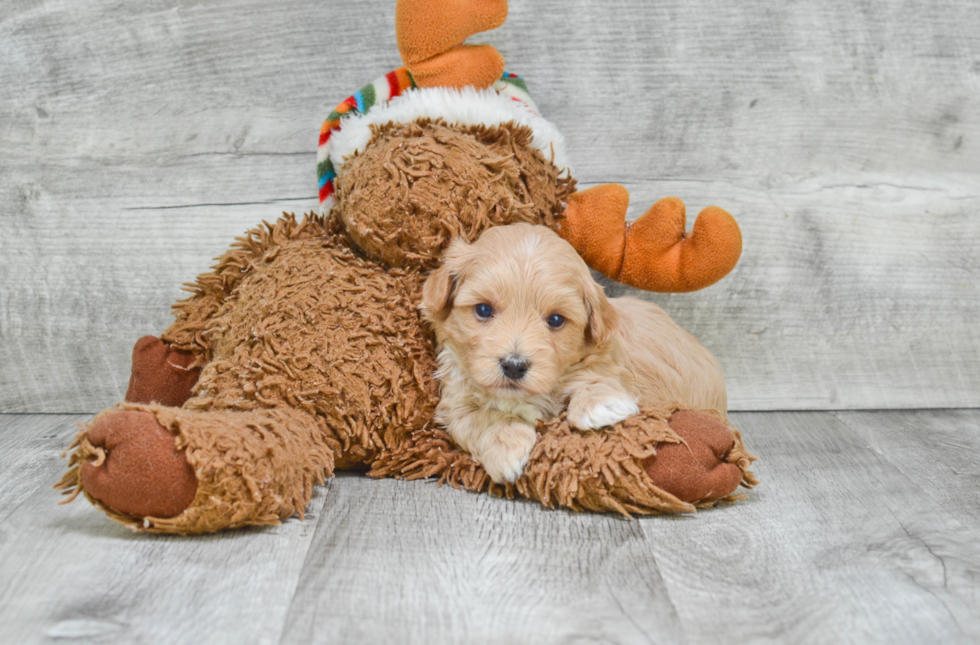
169 470
161 374
189 332
630 467
430 36
431 452
660 461
654 252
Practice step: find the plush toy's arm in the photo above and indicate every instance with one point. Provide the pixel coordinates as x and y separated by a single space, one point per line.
430 40
654 252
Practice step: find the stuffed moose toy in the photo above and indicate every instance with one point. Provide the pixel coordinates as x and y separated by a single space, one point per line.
303 351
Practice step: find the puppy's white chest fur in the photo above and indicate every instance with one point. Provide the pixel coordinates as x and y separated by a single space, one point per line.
517 407
498 430
459 393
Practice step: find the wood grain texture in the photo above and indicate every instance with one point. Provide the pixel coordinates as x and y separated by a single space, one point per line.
412 563
939 452
845 541
29 449
67 574
137 139
838 545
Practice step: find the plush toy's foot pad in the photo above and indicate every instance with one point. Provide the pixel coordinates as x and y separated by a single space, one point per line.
141 473
161 374
698 469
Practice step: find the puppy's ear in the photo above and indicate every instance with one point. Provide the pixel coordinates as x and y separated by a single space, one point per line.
603 318
441 285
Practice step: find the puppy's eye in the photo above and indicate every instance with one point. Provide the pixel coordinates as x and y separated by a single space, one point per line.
483 311
555 321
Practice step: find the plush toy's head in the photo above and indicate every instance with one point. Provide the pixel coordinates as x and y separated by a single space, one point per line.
437 163
448 147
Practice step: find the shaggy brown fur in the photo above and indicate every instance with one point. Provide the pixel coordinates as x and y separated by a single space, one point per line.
418 185
582 471
319 329
252 467
315 357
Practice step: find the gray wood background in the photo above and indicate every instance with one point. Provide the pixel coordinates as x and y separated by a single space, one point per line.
138 139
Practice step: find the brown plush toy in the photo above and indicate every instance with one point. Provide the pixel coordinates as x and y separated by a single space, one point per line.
303 351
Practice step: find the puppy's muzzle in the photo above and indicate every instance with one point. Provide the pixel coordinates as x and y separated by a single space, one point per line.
514 367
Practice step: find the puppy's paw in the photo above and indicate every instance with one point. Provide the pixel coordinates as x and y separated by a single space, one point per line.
505 451
588 413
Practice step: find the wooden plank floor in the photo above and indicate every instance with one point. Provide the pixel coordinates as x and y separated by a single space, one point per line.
866 529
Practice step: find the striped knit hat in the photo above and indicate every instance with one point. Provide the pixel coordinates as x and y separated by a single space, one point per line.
395 98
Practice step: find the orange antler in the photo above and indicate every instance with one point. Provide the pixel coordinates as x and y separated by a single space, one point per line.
654 252
430 40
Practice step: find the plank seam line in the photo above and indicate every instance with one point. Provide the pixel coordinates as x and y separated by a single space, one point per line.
276 200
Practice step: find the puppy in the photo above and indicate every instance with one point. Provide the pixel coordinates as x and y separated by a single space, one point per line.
523 330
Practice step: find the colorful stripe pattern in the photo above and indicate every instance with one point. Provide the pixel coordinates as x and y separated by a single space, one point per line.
513 86
377 93
381 91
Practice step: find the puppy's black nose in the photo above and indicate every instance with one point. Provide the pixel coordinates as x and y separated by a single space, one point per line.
514 367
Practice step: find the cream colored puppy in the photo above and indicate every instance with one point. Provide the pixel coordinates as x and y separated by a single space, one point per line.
523 330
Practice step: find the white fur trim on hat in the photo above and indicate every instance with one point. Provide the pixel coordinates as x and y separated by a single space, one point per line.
466 106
